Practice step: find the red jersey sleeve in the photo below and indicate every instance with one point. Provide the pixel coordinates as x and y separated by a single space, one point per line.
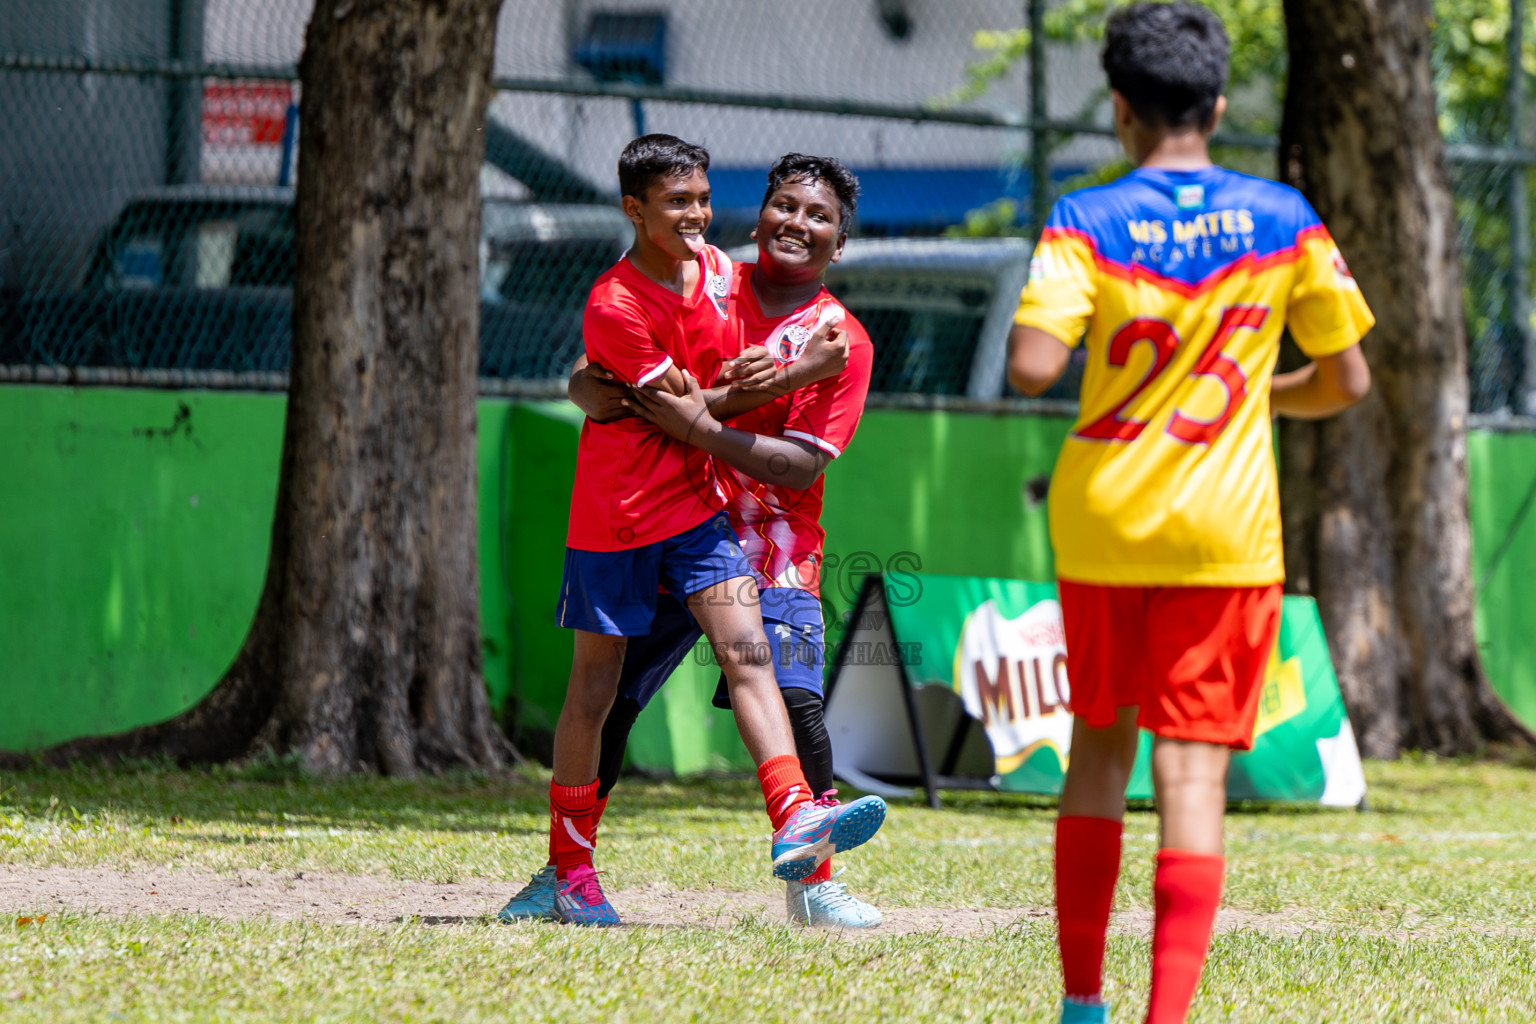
619 336
827 413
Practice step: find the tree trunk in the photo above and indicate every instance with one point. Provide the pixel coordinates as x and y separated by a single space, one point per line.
365 649
1375 500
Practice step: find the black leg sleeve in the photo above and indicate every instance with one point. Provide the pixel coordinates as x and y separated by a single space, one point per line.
811 740
610 761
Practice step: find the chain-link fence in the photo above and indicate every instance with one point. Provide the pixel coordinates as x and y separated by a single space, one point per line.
148 147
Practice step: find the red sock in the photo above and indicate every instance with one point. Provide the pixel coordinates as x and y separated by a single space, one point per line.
784 787
1186 889
821 874
571 825
596 815
1087 864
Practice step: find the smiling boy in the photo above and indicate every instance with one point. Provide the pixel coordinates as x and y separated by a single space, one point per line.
646 514
774 456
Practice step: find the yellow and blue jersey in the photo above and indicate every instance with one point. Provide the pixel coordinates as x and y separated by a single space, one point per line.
1179 283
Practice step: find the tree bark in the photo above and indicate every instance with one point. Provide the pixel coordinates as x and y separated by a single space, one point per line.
365 649
1375 500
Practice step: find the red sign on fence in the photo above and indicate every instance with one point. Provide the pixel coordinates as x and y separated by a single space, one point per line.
245 115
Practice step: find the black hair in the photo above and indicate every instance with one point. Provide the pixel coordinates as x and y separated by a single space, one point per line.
650 158
812 170
1169 61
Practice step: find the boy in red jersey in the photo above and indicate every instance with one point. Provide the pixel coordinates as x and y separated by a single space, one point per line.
646 514
1164 504
775 454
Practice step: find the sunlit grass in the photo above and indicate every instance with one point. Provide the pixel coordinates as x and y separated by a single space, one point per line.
1420 909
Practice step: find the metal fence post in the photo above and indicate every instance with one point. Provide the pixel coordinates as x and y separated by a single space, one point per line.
1039 114
1519 216
184 96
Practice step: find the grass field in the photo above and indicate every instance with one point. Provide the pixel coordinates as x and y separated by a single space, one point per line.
1421 909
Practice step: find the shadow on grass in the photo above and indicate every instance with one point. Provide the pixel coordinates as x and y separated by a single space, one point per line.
272 794
161 796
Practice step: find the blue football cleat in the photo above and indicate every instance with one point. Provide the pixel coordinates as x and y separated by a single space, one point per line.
534 901
1074 1011
822 828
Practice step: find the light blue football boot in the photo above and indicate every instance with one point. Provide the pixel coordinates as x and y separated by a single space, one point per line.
534 901
1075 1012
828 905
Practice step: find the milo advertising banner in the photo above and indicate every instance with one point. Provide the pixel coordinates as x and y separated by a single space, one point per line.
961 682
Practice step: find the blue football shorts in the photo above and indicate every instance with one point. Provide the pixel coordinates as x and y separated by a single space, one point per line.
615 592
796 640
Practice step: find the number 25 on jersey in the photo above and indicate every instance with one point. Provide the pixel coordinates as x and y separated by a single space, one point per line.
1212 362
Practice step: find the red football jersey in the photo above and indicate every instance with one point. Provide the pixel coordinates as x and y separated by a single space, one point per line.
634 484
780 527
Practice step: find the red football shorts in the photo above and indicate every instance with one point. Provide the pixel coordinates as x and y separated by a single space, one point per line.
1192 659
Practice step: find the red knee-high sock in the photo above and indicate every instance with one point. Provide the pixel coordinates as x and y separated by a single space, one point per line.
597 816
1186 889
784 787
1087 865
571 825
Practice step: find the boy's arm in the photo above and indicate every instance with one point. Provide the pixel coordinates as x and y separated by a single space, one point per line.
594 391
1056 305
1036 359
825 356
781 461
1327 316
1325 386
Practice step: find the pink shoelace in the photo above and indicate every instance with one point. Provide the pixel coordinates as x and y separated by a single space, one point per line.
582 880
827 799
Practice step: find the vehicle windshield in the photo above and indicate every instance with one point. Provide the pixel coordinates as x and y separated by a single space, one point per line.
200 246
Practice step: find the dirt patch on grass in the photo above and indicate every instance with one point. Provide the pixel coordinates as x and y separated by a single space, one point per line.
663 906
378 900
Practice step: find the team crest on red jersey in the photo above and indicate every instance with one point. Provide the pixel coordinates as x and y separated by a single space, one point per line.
717 280
788 340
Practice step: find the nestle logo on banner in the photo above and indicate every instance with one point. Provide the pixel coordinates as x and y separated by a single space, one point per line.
1048 634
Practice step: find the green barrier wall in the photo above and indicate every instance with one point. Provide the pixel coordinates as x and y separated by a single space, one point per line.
1502 469
134 526
133 537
